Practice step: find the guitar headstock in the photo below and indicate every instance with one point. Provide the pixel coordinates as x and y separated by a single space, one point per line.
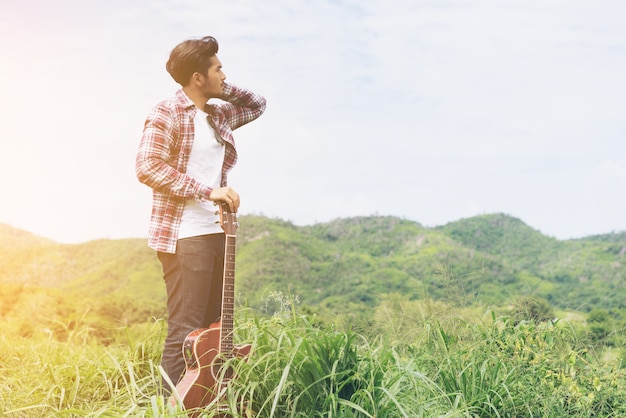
228 219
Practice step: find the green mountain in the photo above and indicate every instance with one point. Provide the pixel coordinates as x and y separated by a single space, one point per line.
344 267
11 237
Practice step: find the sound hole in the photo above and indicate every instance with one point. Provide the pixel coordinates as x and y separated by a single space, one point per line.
218 371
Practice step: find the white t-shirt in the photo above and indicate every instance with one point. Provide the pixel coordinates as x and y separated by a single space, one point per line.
205 165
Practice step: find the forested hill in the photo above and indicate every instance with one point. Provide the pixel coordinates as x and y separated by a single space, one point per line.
11 237
344 266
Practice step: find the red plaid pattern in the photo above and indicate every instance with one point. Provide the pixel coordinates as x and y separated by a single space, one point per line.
164 150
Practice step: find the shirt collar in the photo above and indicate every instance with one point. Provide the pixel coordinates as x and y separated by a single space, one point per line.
184 100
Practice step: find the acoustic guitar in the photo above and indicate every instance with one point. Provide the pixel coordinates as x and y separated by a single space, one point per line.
205 350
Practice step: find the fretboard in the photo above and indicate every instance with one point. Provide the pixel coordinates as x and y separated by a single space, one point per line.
228 296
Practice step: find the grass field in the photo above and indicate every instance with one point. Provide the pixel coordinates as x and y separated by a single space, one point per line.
449 363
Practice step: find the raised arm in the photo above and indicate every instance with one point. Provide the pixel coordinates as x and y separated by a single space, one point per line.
241 105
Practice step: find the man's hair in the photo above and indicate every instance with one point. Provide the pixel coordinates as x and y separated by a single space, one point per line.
191 56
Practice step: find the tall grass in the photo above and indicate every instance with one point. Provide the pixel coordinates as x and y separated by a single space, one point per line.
452 365
299 370
45 377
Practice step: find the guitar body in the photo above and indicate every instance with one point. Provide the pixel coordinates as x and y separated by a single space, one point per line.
206 349
199 386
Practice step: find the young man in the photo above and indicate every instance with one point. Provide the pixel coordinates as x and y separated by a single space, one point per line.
185 154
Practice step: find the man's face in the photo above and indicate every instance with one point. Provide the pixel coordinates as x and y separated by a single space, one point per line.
213 81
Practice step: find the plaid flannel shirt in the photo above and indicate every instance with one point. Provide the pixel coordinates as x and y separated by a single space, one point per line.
164 150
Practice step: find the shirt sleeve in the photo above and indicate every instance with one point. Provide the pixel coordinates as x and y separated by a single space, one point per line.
155 164
242 106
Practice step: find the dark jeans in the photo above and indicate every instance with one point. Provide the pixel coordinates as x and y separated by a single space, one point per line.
193 280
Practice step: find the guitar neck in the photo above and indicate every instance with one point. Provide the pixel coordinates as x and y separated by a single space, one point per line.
228 296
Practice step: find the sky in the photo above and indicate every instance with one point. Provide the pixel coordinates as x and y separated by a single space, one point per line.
429 110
